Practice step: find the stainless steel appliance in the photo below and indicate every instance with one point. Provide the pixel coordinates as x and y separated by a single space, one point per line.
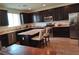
74 25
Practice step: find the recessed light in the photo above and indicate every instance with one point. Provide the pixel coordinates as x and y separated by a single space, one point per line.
44 5
29 8
24 5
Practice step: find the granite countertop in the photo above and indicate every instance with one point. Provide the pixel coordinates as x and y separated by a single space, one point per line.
6 29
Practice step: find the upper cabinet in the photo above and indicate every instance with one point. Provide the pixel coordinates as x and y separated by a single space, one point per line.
55 14
3 18
60 13
37 17
26 18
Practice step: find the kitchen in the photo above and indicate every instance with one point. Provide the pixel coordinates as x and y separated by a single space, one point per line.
57 16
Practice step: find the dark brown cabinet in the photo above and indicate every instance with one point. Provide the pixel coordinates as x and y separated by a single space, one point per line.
26 18
4 40
3 18
38 17
60 13
61 32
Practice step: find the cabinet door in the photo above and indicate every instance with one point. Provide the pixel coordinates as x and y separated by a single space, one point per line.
0 45
61 32
4 40
26 18
12 38
3 18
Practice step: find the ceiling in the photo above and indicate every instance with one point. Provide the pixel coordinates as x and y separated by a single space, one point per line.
32 7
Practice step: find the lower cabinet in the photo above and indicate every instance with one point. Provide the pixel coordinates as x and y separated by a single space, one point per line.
12 38
7 39
0 45
4 40
61 32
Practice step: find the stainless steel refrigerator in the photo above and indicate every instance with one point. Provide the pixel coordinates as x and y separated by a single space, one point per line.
74 25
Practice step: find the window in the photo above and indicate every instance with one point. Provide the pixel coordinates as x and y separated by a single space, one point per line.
14 19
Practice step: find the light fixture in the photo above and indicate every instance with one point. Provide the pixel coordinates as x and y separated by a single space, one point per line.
29 8
24 5
44 5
